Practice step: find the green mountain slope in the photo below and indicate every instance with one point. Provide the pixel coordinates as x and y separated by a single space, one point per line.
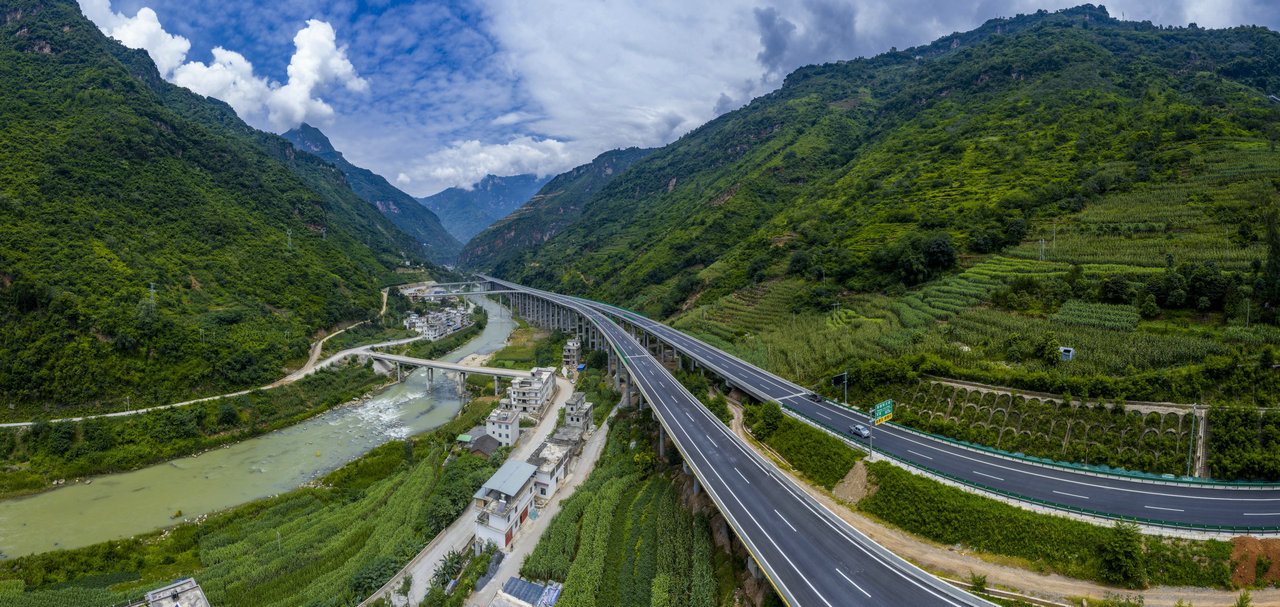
112 181
403 209
558 204
466 212
877 172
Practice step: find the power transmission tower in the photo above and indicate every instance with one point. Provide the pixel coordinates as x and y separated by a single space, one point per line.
153 297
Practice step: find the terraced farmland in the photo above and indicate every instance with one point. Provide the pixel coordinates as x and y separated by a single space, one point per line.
1092 433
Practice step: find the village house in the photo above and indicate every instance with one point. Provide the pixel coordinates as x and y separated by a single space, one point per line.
503 503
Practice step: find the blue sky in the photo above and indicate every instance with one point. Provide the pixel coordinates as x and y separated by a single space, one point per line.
436 94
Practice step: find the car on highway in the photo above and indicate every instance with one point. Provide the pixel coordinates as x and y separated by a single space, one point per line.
860 430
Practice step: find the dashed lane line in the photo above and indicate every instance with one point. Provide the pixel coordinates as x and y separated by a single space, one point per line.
784 519
855 584
988 475
1083 497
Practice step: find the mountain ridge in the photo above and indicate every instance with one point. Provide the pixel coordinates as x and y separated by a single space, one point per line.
401 208
465 212
558 203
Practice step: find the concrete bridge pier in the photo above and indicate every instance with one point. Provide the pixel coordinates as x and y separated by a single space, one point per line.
662 441
431 378
462 387
754 568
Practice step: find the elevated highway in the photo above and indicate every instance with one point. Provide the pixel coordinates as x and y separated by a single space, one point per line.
812 557
1204 507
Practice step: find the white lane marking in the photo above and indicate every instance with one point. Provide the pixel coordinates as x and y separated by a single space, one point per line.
1083 497
1096 486
713 443
686 414
919 454
898 566
784 519
1261 513
823 414
744 477
803 577
988 475
1162 508
855 584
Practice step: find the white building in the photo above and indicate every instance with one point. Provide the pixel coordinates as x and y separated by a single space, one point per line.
504 425
577 411
531 394
503 503
552 460
183 593
440 323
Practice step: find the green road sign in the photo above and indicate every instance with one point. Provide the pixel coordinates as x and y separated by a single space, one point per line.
882 412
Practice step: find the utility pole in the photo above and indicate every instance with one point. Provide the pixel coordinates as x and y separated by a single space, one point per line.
846 385
1247 309
324 232
1041 249
153 297
289 236
1055 237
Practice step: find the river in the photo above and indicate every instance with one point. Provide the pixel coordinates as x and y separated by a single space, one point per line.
126 504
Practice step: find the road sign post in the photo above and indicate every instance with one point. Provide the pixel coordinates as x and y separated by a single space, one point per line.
882 412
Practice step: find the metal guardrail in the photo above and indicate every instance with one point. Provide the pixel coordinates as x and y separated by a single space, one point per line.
1132 475
1043 503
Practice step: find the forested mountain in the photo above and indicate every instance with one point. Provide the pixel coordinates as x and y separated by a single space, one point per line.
466 212
152 245
403 209
876 173
558 204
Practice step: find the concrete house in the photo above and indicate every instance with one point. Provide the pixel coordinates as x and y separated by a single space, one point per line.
531 394
504 425
577 411
503 503
552 460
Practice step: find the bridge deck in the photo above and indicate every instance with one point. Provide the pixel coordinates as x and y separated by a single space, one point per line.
435 364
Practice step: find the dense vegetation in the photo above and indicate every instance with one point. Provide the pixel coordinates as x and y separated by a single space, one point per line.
113 182
822 458
467 211
1094 433
331 548
402 209
623 537
31 458
1118 555
555 206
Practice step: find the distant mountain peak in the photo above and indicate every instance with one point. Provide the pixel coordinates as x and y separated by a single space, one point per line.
310 138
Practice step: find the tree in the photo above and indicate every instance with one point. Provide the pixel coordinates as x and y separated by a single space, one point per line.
1123 561
228 414
770 419
1048 351
1149 309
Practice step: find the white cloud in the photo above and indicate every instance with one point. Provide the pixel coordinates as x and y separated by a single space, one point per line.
140 31
318 64
466 162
